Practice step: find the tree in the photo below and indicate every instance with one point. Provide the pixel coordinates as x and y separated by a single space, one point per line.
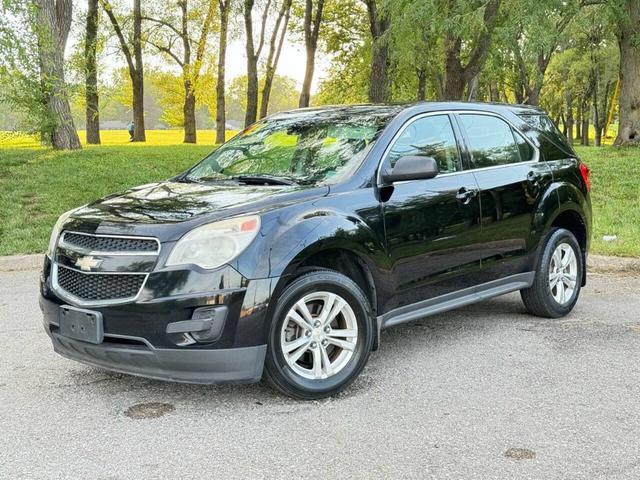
275 48
628 34
379 22
221 118
22 92
284 95
178 28
53 25
535 34
312 23
91 74
459 75
412 33
346 39
254 52
133 56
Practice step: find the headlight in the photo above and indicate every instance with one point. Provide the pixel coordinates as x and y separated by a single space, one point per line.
55 233
215 244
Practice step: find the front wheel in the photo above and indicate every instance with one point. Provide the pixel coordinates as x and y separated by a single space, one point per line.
558 279
321 336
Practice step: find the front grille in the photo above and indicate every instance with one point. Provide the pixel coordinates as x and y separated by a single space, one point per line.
109 244
99 286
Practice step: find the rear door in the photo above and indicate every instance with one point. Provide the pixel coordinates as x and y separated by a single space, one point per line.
511 179
432 226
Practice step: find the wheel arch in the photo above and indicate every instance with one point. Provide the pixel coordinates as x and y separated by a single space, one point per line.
345 244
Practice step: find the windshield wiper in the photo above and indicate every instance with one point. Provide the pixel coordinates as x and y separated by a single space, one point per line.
264 180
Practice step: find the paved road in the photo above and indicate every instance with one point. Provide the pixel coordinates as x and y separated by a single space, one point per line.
483 392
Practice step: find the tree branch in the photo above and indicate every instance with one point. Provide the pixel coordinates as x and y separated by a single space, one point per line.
163 23
116 26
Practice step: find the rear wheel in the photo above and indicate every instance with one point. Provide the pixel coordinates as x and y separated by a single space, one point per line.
558 279
321 336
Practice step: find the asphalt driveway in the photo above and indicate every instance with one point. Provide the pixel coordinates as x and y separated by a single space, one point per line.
482 392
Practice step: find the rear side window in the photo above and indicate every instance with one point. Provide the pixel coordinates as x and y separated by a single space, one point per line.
430 136
492 141
553 145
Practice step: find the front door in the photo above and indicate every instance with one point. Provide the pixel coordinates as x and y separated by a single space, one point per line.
431 226
511 180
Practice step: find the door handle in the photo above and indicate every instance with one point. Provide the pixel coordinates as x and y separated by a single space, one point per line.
465 196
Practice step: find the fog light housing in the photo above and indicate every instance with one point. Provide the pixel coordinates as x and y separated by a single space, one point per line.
205 326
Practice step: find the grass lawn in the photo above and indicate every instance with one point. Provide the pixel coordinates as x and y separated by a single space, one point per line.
37 184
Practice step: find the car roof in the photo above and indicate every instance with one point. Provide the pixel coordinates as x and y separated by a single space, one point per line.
391 110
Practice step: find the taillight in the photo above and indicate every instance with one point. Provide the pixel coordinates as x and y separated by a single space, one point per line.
584 171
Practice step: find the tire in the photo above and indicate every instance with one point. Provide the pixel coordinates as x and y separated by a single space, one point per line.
544 300
315 375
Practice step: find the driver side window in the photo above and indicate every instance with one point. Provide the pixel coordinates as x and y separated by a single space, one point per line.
430 136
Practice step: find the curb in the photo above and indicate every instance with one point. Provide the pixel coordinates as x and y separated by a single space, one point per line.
627 266
21 263
598 264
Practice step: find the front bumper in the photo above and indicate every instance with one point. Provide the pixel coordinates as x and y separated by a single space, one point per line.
135 334
189 366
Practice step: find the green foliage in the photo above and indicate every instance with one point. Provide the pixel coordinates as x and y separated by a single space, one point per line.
345 38
20 86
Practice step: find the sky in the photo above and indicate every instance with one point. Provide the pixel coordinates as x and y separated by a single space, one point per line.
292 62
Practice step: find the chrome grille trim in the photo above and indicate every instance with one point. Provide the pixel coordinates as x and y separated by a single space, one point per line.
87 251
62 293
70 247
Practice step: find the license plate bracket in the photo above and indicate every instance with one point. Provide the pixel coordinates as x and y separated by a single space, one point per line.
80 324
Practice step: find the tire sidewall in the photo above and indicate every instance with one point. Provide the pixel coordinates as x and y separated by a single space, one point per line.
557 237
313 282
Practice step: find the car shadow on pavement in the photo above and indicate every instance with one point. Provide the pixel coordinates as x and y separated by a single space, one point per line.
398 344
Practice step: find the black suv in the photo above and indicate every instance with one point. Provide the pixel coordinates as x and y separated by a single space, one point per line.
285 251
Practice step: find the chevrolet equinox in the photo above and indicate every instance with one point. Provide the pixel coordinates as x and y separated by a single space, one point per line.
286 251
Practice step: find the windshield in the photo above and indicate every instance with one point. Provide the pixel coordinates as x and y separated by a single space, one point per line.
308 147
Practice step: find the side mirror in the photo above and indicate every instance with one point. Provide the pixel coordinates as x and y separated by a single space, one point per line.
411 168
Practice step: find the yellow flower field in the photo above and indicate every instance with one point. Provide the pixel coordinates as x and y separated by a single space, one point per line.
116 137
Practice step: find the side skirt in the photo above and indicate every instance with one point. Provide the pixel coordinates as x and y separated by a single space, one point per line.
470 295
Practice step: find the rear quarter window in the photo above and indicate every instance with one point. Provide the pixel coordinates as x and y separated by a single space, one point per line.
553 145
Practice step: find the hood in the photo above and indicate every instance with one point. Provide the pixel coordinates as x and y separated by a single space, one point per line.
142 208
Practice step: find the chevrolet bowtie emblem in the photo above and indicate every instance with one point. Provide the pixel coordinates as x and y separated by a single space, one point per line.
87 263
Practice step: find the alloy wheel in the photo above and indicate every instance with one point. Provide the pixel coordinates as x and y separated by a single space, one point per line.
319 335
563 272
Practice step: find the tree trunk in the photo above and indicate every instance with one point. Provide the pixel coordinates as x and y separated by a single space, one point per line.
134 63
137 83
221 118
275 49
311 33
422 84
585 126
568 103
139 134
454 73
305 94
578 136
91 74
189 112
54 20
629 127
379 88
252 67
473 89
379 83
